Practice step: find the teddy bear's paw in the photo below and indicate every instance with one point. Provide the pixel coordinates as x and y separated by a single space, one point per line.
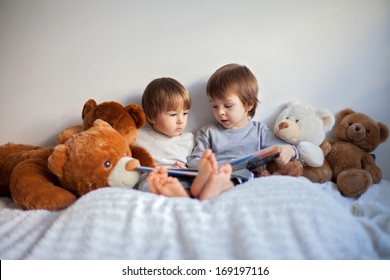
318 174
311 154
353 182
375 173
326 147
33 186
52 199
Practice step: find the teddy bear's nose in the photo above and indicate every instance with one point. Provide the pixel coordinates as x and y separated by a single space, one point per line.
283 125
132 164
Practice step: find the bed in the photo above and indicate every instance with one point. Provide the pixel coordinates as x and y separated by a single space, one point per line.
276 217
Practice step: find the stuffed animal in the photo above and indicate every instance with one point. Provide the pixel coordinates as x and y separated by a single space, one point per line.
305 127
353 169
293 168
126 120
52 178
292 125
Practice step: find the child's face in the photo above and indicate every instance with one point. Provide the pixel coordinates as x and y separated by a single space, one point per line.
230 111
171 123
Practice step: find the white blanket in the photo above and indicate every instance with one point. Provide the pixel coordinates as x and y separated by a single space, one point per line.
267 218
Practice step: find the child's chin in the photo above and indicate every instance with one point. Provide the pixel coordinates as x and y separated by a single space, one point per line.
177 133
225 124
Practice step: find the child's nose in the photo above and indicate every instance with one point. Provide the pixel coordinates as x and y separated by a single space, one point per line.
221 111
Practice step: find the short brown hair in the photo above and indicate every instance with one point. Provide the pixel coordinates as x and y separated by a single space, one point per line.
237 80
162 95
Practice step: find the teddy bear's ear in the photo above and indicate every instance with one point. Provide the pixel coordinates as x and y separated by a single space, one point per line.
327 118
291 103
384 132
137 114
67 133
88 106
340 115
57 159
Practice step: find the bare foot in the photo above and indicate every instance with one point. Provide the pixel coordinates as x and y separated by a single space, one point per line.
155 176
207 165
218 182
160 183
171 186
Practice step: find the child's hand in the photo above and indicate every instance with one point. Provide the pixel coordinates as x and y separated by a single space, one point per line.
286 154
180 165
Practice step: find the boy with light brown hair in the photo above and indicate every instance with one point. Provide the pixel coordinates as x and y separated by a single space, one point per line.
166 104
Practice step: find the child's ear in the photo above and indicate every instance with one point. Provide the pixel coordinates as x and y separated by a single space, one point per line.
150 120
249 106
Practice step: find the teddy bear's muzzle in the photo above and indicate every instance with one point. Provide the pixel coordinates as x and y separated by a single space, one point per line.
356 132
124 173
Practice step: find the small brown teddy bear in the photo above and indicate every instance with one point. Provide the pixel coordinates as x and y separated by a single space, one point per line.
353 169
293 168
53 178
126 120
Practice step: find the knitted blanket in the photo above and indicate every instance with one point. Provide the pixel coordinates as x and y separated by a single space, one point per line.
275 217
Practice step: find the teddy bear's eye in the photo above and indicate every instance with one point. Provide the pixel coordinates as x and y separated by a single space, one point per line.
287 118
107 164
297 121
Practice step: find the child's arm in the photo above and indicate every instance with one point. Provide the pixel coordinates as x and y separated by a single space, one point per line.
287 152
202 143
180 165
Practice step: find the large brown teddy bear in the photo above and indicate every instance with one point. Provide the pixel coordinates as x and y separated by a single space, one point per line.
52 178
348 158
126 120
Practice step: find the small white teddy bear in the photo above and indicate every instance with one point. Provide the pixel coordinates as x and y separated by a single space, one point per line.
306 127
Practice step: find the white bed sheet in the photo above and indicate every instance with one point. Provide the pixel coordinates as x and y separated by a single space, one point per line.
275 217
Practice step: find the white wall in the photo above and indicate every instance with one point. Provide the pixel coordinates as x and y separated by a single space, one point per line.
54 55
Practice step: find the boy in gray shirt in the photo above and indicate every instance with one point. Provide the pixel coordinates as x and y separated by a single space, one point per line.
232 91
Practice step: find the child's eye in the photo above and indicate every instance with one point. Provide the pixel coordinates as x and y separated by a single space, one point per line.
186 113
228 105
172 115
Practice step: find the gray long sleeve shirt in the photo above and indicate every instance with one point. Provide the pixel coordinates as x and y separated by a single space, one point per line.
229 144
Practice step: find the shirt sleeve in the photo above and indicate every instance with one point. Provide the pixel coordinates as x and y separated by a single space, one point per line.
296 152
201 144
